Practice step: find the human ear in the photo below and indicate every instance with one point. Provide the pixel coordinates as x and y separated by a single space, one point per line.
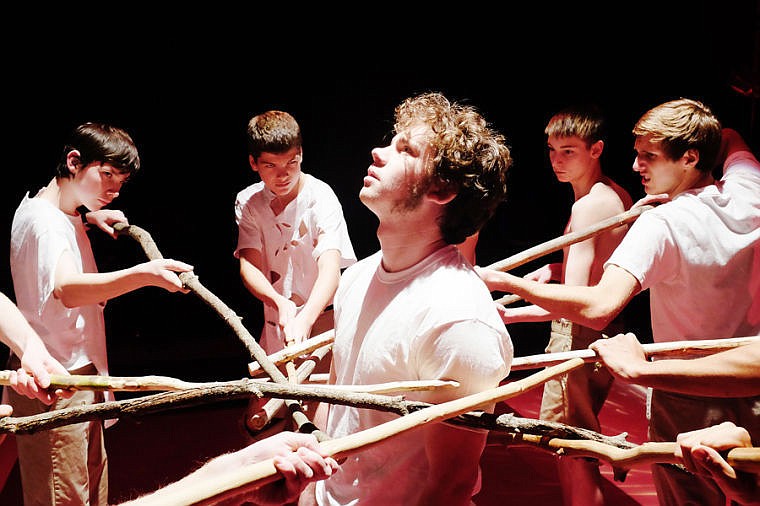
597 148
252 163
73 160
691 157
441 193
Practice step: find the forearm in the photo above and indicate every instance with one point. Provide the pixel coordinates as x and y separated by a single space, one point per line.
583 305
258 285
732 373
95 287
324 287
15 330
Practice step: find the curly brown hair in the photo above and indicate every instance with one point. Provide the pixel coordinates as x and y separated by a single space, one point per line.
469 159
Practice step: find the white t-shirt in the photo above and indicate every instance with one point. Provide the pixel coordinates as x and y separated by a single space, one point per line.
699 255
435 320
288 242
40 234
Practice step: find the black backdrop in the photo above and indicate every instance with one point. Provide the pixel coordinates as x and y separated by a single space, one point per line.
185 84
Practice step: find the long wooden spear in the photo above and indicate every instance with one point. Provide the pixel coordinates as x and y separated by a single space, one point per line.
169 384
563 241
674 349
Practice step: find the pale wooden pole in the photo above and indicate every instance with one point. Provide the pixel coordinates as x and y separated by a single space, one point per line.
561 242
673 349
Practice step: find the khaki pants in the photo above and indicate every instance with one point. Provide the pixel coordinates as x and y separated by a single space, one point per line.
577 397
65 466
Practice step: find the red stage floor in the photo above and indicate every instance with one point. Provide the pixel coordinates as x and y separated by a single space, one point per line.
160 448
527 475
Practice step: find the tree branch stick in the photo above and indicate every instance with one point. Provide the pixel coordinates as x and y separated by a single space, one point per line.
261 418
116 383
295 351
743 459
264 472
190 280
673 349
563 241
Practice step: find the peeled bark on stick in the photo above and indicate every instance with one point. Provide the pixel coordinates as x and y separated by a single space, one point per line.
673 349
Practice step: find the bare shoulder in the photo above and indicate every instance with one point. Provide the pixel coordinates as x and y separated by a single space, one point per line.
605 199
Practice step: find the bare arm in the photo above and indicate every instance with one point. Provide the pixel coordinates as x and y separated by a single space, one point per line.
731 142
591 306
21 338
297 457
76 289
328 276
260 287
730 373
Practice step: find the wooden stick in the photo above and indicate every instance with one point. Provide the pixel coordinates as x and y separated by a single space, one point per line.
168 384
190 280
508 299
673 349
265 472
272 407
395 387
391 387
319 377
742 459
560 242
295 351
116 383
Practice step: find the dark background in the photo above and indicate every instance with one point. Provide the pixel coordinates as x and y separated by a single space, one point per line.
185 83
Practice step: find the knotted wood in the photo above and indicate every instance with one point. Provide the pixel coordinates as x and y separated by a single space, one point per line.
265 472
190 280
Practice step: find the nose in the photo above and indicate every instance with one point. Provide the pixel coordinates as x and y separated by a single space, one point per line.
376 158
113 188
636 167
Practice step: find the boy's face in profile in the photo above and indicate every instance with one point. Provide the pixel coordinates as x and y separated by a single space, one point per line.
280 172
570 156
